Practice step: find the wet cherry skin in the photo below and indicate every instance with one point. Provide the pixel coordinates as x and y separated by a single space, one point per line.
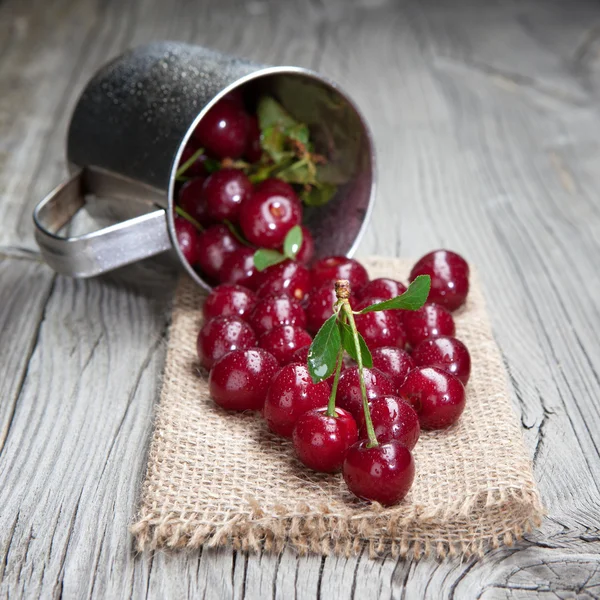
307 248
394 362
283 341
383 474
240 379
216 244
253 148
238 267
383 288
446 353
332 268
223 193
227 300
275 311
291 394
431 320
321 441
222 335
320 306
188 239
349 396
289 277
191 202
380 328
437 396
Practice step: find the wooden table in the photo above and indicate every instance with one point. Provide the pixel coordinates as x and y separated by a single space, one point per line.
487 124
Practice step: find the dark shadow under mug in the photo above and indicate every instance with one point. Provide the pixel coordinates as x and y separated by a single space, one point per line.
127 135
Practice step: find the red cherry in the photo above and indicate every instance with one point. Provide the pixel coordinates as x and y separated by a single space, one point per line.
321 442
380 328
238 267
266 217
196 169
383 288
349 396
222 335
216 244
283 341
240 380
223 193
445 353
229 301
235 97
320 307
332 268
428 321
190 200
188 239
307 248
289 278
277 187
437 396
449 274
291 394
393 419
253 147
394 362
274 312
223 131
382 474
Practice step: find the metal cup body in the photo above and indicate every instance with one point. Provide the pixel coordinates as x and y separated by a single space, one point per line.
128 132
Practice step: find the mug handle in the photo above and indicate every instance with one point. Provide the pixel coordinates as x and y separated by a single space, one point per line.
99 251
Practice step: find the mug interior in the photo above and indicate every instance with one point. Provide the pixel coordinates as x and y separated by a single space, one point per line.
338 131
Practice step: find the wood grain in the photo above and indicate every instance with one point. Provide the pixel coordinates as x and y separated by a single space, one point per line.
487 128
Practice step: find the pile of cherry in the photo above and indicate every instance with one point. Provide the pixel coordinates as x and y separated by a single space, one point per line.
221 216
256 342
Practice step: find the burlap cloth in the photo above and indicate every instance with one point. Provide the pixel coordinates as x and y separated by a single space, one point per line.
217 478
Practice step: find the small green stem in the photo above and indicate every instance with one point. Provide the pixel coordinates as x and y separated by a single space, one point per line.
189 218
189 162
338 368
347 310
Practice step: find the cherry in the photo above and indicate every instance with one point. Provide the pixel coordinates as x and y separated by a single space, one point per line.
332 268
307 248
190 200
277 187
380 328
382 474
223 192
216 244
383 288
393 419
394 362
188 239
253 147
320 307
222 335
283 341
349 396
228 301
446 353
267 216
321 441
235 97
449 274
275 311
289 278
223 131
291 394
240 380
428 321
437 396
196 169
238 267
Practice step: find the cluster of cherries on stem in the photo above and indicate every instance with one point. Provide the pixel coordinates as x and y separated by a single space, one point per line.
221 217
361 420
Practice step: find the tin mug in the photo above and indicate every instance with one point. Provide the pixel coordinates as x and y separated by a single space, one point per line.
127 135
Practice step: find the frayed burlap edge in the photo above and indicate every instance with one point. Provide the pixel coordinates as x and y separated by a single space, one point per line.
460 528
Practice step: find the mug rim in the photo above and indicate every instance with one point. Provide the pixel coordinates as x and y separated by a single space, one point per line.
262 72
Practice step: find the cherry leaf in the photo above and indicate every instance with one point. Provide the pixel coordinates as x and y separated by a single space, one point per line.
350 348
319 194
264 258
292 242
322 355
412 299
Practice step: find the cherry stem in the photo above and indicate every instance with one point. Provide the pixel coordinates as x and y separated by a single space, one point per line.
188 163
342 289
189 218
331 412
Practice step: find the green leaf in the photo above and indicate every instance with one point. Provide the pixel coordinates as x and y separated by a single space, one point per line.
319 194
412 299
350 348
298 132
301 171
273 142
292 242
264 258
211 165
322 355
271 113
188 163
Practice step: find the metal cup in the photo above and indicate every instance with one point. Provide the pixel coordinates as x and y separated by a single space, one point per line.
127 135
